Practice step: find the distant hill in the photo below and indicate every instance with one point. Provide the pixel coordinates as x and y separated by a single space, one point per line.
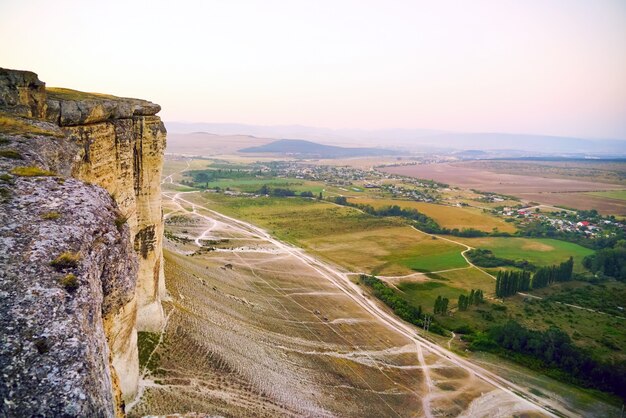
308 149
421 140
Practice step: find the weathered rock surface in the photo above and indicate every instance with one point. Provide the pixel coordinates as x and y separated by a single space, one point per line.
22 93
79 173
68 107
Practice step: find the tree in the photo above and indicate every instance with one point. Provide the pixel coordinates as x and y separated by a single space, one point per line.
509 283
341 200
444 306
264 190
463 302
437 305
203 177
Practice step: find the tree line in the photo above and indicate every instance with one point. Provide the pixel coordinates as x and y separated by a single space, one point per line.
510 282
553 350
545 276
398 304
265 190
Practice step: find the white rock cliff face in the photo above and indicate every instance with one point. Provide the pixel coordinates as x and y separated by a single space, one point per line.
90 142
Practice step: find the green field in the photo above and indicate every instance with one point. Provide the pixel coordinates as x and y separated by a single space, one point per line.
613 194
539 251
387 251
343 235
450 284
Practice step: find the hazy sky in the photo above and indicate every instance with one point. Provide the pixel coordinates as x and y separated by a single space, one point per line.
528 66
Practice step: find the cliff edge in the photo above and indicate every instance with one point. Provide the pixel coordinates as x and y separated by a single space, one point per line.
80 246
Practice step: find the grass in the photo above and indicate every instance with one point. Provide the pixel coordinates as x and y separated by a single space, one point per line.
613 194
15 125
11 154
388 250
425 293
31 171
66 260
539 251
449 284
447 216
146 343
343 235
468 279
69 94
69 282
51 216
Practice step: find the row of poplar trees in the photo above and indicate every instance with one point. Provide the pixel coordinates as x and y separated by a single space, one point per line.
475 297
509 282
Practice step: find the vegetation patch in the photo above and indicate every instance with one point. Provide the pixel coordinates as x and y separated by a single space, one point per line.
120 221
5 194
10 153
66 260
147 343
69 94
486 258
553 353
400 306
69 282
608 262
608 298
51 216
31 171
15 125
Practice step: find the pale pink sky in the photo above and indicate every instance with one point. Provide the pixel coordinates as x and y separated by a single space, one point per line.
529 66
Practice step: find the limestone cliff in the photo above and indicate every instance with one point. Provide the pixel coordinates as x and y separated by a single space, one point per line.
80 246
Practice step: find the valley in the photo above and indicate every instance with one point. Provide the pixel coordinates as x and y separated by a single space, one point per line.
279 275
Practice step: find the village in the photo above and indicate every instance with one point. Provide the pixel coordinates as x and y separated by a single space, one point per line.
587 223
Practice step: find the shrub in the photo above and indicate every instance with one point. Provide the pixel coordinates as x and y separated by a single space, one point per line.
66 260
31 171
69 282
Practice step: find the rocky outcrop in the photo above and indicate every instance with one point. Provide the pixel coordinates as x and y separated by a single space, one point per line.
22 93
79 178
